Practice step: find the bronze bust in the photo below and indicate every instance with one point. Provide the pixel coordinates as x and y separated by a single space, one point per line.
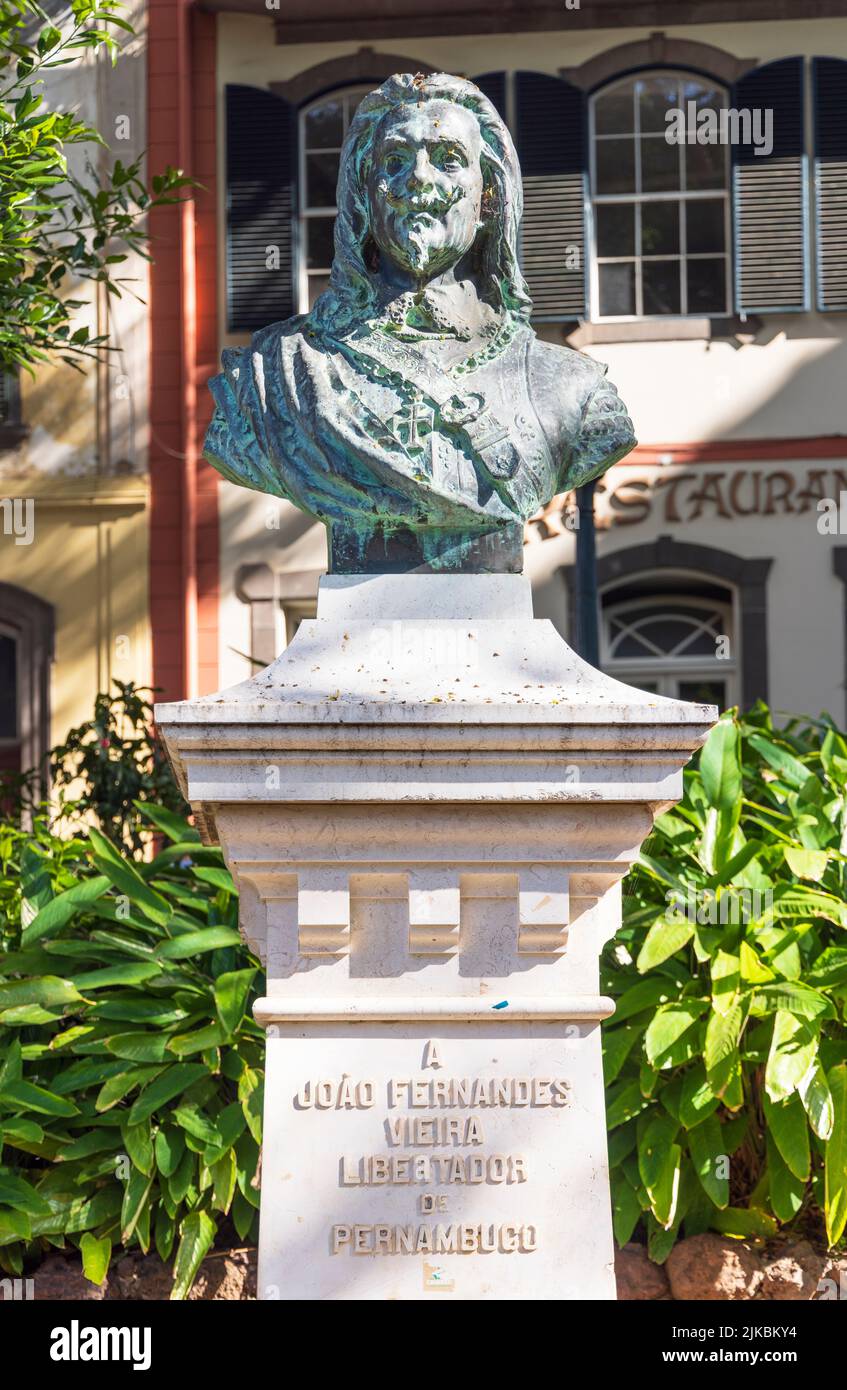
413 410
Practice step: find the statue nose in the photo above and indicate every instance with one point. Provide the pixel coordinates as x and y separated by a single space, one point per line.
420 175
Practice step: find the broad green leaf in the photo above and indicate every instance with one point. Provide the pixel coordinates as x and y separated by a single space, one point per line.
139 1046
139 1145
786 1192
168 822
723 1032
18 1193
165 1231
196 1123
218 878
710 1159
786 1122
184 1044
697 1099
250 1093
120 1085
793 1050
136 1192
48 991
664 939
169 1146
194 943
126 878
14 1226
659 1166
668 1024
790 768
753 970
132 973
23 1095
96 1255
806 863
626 1209
644 995
11 1067
232 990
617 1045
61 909
726 977
793 997
172 1082
720 767
743 1223
817 1100
835 1162
196 1236
223 1181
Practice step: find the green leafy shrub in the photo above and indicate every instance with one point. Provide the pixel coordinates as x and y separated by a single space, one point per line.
113 761
725 1060
130 1065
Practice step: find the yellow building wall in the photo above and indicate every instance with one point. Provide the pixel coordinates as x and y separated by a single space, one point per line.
89 560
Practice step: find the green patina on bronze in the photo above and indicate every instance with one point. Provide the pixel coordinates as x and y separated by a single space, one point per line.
413 410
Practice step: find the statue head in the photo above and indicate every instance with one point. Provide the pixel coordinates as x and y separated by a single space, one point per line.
429 177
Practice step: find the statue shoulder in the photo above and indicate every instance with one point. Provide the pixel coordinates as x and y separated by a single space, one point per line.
554 366
584 418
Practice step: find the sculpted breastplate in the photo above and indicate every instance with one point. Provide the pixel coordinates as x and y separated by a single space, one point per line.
479 405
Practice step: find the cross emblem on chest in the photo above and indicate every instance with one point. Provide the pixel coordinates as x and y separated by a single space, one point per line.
412 423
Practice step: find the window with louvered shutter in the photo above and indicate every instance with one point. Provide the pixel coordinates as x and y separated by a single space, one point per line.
550 139
829 83
770 203
260 164
493 85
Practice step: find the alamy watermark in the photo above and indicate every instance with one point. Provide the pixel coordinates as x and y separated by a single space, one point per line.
17 519
703 125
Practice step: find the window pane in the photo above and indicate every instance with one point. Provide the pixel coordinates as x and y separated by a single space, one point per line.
705 225
615 229
657 95
319 242
660 287
8 687
615 166
325 126
703 95
704 692
617 289
321 178
707 286
660 229
352 102
705 167
659 165
614 112
317 285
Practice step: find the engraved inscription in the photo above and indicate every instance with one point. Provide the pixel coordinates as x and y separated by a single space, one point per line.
453 1170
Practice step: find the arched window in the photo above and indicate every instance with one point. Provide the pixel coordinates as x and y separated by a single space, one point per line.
672 635
323 126
661 228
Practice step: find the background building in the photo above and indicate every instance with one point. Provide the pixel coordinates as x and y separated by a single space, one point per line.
711 278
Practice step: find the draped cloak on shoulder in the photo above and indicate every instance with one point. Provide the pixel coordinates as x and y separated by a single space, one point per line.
325 423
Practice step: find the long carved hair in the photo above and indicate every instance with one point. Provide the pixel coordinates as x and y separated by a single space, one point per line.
351 294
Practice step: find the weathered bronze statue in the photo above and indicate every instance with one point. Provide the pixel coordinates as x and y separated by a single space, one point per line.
414 411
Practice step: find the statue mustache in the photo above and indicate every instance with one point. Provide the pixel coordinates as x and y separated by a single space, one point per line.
433 203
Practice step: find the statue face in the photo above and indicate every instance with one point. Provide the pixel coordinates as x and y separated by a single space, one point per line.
425 186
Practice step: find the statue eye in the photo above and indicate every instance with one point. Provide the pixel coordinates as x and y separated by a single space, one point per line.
449 157
394 161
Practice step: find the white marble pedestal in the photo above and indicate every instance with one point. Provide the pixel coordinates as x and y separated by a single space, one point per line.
428 802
